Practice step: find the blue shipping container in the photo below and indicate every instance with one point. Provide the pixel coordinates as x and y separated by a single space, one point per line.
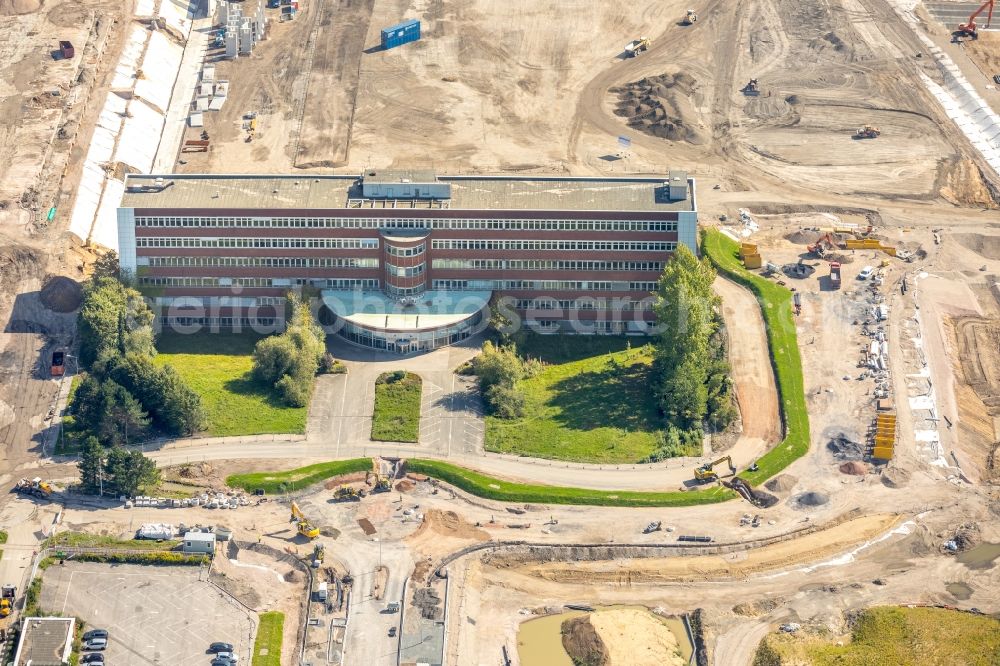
404 33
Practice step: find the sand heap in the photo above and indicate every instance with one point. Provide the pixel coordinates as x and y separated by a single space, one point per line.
16 7
854 467
661 106
781 483
635 637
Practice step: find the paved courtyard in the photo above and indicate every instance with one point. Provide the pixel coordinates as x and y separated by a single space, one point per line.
154 614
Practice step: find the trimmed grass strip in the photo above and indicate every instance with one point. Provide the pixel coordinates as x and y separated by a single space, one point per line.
297 479
84 540
488 487
776 306
269 638
397 407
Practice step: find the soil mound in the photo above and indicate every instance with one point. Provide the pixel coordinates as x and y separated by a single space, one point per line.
61 294
759 607
854 467
16 7
966 537
812 498
839 258
782 483
582 644
764 500
895 477
661 106
986 246
803 237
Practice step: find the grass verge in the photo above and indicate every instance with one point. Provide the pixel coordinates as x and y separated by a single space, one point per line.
489 487
297 479
776 306
591 404
890 636
269 638
218 367
397 407
84 540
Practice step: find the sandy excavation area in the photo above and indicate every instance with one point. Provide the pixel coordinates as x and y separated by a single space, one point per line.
634 636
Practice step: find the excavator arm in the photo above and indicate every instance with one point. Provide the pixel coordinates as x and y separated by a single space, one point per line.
972 28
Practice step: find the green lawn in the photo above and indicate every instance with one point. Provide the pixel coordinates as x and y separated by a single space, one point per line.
397 408
890 636
217 366
269 638
776 306
297 479
85 540
592 404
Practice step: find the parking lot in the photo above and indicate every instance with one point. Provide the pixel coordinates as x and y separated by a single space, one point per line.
155 614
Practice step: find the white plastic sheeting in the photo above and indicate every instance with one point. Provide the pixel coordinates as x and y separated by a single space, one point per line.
88 197
105 231
140 136
127 65
145 8
176 14
159 70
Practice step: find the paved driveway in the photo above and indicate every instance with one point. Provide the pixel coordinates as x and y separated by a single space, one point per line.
451 414
154 615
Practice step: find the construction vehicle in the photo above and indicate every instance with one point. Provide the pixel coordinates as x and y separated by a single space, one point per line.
868 132
379 482
346 493
707 473
652 527
751 89
35 487
637 46
825 243
744 490
692 17
58 363
971 28
8 594
319 554
835 275
303 525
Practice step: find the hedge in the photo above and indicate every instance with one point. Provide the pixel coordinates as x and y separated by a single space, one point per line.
183 559
776 306
492 488
297 479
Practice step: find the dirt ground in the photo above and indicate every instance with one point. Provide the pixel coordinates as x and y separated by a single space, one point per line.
634 636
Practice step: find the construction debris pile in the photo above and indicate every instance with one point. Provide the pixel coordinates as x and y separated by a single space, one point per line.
660 105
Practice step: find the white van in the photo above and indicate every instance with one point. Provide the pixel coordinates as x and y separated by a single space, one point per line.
866 272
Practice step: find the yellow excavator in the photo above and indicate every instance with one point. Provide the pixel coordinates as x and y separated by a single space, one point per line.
305 528
707 473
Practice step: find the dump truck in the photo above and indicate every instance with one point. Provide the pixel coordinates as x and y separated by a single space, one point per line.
835 275
637 46
707 472
35 487
8 594
868 132
58 363
303 525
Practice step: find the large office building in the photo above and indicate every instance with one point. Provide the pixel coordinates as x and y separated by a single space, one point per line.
405 261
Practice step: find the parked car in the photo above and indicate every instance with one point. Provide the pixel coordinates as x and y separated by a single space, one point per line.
94 658
392 632
220 647
95 644
222 661
95 633
866 272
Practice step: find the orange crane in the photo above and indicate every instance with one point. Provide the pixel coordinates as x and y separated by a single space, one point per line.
971 28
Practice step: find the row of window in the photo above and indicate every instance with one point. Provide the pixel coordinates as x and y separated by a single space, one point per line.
265 262
577 245
228 322
528 285
404 291
218 301
542 265
404 271
317 243
406 251
617 304
430 223
332 283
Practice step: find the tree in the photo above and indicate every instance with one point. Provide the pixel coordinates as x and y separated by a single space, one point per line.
499 369
91 464
129 471
113 317
291 360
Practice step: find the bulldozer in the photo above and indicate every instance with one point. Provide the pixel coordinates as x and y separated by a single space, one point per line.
347 493
303 525
707 473
35 487
692 17
868 132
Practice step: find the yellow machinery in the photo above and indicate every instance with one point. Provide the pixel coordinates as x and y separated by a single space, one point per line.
637 46
35 487
7 600
707 473
346 493
305 528
868 132
691 17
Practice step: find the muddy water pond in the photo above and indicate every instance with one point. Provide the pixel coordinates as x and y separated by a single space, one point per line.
960 591
539 641
982 556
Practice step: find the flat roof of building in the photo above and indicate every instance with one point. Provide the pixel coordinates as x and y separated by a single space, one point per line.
199 536
467 192
45 641
431 310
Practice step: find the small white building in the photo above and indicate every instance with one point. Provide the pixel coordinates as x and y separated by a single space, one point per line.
199 542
